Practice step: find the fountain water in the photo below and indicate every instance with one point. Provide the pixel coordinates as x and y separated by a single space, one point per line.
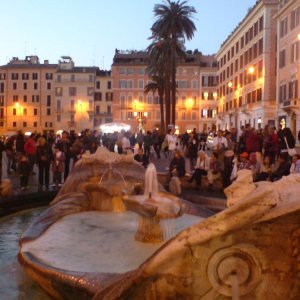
153 207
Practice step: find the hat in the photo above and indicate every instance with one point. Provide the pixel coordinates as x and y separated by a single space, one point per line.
244 154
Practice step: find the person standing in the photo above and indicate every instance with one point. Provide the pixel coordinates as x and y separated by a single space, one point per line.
65 146
147 144
140 139
24 169
58 165
30 150
43 158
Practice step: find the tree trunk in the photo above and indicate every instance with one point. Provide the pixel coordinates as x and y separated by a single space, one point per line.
173 78
162 113
167 100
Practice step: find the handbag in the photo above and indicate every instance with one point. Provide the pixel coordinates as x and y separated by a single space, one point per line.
291 151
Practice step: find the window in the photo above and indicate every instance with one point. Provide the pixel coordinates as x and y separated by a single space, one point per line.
25 111
194 115
14 85
2 76
48 111
295 15
254 51
25 85
58 105
282 93
1 100
295 52
48 85
260 46
140 83
260 69
91 78
97 110
35 86
25 98
58 118
58 78
49 76
15 98
283 27
195 84
35 98
98 85
98 96
14 124
123 84
25 76
1 87
34 76
14 111
241 61
293 89
58 91
72 91
282 58
90 91
24 124
14 76
109 96
236 65
109 85
109 109
34 124
35 111
242 42
129 71
255 28
48 100
261 23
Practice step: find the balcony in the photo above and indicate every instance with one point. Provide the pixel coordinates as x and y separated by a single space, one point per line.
290 105
246 109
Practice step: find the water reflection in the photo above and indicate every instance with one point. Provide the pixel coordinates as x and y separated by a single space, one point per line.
14 283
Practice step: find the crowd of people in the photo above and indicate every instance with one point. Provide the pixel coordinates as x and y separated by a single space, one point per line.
268 153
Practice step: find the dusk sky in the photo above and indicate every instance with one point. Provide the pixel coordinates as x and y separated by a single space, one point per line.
90 30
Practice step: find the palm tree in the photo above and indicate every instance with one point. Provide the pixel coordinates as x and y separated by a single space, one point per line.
174 23
158 70
158 85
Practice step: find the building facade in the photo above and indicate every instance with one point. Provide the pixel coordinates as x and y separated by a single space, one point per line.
247 70
26 95
39 97
288 65
196 92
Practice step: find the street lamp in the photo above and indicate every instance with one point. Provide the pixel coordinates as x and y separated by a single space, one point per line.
251 70
298 36
230 84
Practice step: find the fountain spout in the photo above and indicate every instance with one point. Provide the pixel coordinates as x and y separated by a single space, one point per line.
152 208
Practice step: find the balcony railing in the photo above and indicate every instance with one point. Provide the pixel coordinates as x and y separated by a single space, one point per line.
290 104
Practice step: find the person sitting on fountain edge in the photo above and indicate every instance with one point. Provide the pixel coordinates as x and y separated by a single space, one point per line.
142 158
177 165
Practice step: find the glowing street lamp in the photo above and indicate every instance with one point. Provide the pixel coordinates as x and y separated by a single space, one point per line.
251 70
230 84
298 36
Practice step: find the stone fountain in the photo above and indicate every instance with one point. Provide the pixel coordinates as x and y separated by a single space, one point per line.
80 248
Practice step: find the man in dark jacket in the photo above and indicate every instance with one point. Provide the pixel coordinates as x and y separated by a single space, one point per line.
283 168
